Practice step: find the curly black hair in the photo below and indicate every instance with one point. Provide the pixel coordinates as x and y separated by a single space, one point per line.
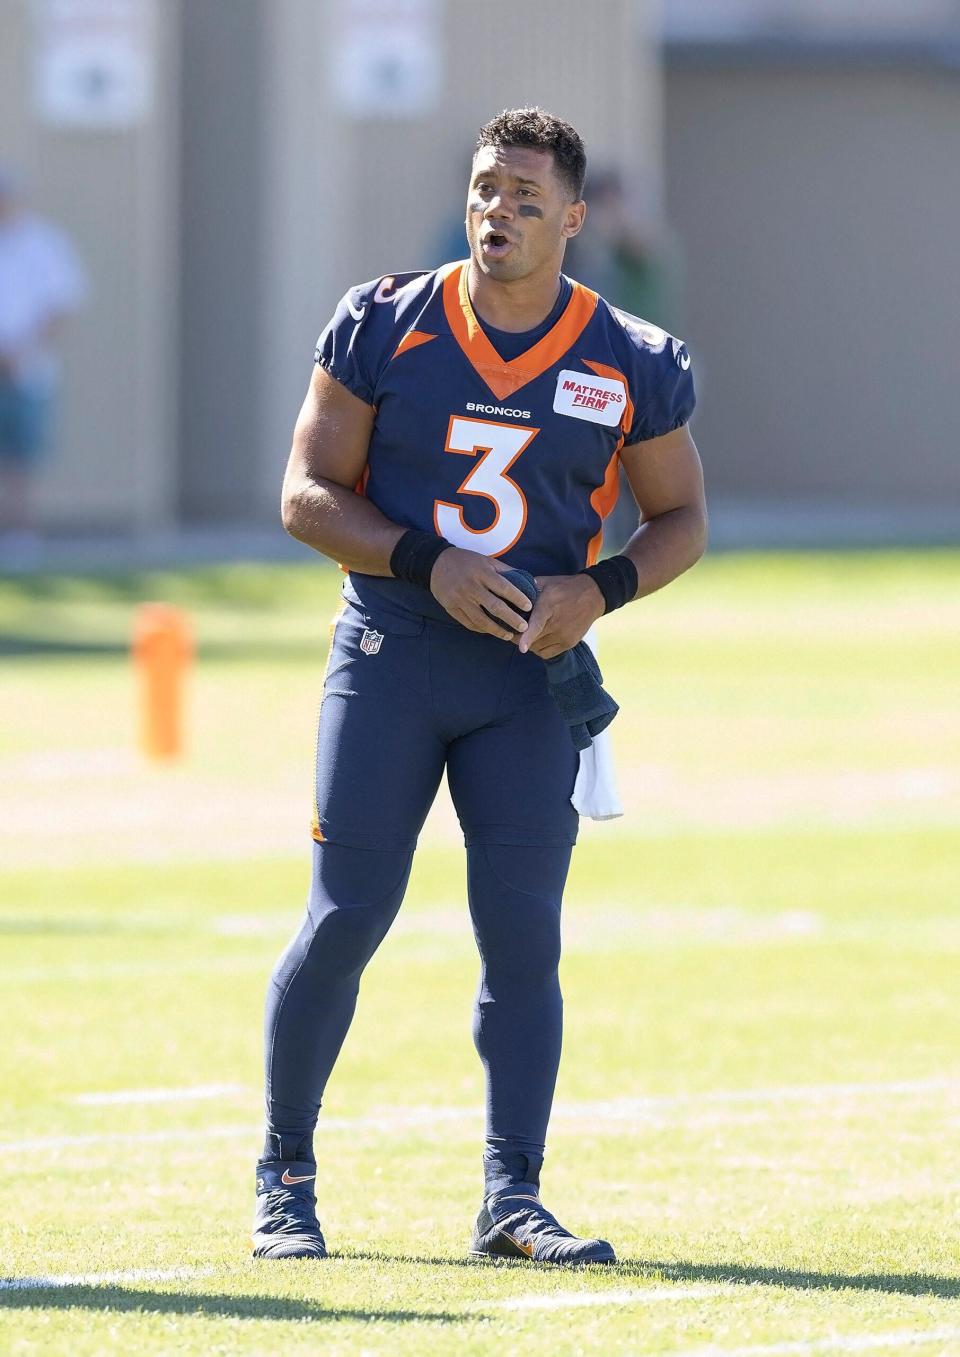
544 132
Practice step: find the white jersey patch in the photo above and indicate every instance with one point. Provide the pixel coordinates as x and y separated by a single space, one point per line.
600 400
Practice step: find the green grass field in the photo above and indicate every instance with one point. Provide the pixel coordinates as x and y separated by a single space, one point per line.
760 1097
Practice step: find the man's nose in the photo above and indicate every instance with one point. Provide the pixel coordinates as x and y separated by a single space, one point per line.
499 206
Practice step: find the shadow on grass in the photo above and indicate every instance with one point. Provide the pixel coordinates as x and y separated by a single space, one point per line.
119 1298
241 586
238 583
15 645
123 1299
906 1284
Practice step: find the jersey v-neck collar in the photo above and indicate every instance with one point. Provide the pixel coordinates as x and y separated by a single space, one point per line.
510 343
503 377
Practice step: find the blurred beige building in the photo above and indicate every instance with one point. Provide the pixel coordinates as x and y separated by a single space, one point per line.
85 124
227 167
811 155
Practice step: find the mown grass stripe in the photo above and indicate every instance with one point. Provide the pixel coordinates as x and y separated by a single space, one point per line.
803 1347
57 1281
612 1112
576 1300
191 1093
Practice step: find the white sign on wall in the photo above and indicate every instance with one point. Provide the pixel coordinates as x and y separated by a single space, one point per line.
93 62
385 58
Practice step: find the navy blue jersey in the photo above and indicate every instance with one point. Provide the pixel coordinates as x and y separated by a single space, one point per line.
517 459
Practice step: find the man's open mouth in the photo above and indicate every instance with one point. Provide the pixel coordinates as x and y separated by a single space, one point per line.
496 243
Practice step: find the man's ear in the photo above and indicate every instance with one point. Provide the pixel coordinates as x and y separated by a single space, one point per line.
575 216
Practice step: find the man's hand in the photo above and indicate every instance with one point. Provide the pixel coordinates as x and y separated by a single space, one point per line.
466 583
566 609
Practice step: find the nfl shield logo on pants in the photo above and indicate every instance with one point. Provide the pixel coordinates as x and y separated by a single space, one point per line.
371 641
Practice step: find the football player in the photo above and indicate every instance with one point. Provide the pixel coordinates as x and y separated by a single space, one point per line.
460 422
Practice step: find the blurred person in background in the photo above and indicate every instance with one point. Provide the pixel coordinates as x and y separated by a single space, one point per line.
450 240
42 282
624 257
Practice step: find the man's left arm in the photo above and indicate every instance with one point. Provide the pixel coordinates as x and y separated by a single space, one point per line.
667 482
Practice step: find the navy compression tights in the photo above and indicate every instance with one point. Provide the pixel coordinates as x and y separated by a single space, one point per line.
514 895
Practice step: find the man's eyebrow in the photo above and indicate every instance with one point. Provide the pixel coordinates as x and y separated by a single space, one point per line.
492 172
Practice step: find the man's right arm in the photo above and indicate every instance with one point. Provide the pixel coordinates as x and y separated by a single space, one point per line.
320 507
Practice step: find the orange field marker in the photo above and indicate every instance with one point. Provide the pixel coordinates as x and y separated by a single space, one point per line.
162 652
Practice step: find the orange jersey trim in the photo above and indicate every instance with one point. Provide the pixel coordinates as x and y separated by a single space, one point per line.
504 378
608 491
412 340
602 370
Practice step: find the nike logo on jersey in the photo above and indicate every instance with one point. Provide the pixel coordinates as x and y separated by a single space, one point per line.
650 336
680 354
358 312
599 400
289 1178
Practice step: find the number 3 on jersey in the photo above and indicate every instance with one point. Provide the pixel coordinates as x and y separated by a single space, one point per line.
499 445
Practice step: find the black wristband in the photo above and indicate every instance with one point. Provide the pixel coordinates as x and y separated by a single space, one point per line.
415 555
617 580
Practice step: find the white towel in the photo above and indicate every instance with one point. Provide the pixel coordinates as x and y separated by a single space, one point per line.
595 792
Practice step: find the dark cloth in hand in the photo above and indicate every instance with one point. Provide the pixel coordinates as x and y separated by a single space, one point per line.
574 679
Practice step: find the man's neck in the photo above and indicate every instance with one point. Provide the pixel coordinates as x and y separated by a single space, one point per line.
514 306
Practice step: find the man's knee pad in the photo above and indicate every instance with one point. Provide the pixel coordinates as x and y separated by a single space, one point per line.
515 896
354 897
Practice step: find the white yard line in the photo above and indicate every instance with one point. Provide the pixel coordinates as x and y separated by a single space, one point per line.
174 1135
192 1094
387 1122
175 1274
575 1300
617 1109
613 1108
650 929
615 1112
898 1341
802 1347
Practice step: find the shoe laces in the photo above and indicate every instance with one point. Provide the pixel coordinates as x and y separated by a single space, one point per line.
290 1212
533 1224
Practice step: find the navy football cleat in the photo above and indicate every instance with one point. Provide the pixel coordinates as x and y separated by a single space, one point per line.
285 1221
515 1224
